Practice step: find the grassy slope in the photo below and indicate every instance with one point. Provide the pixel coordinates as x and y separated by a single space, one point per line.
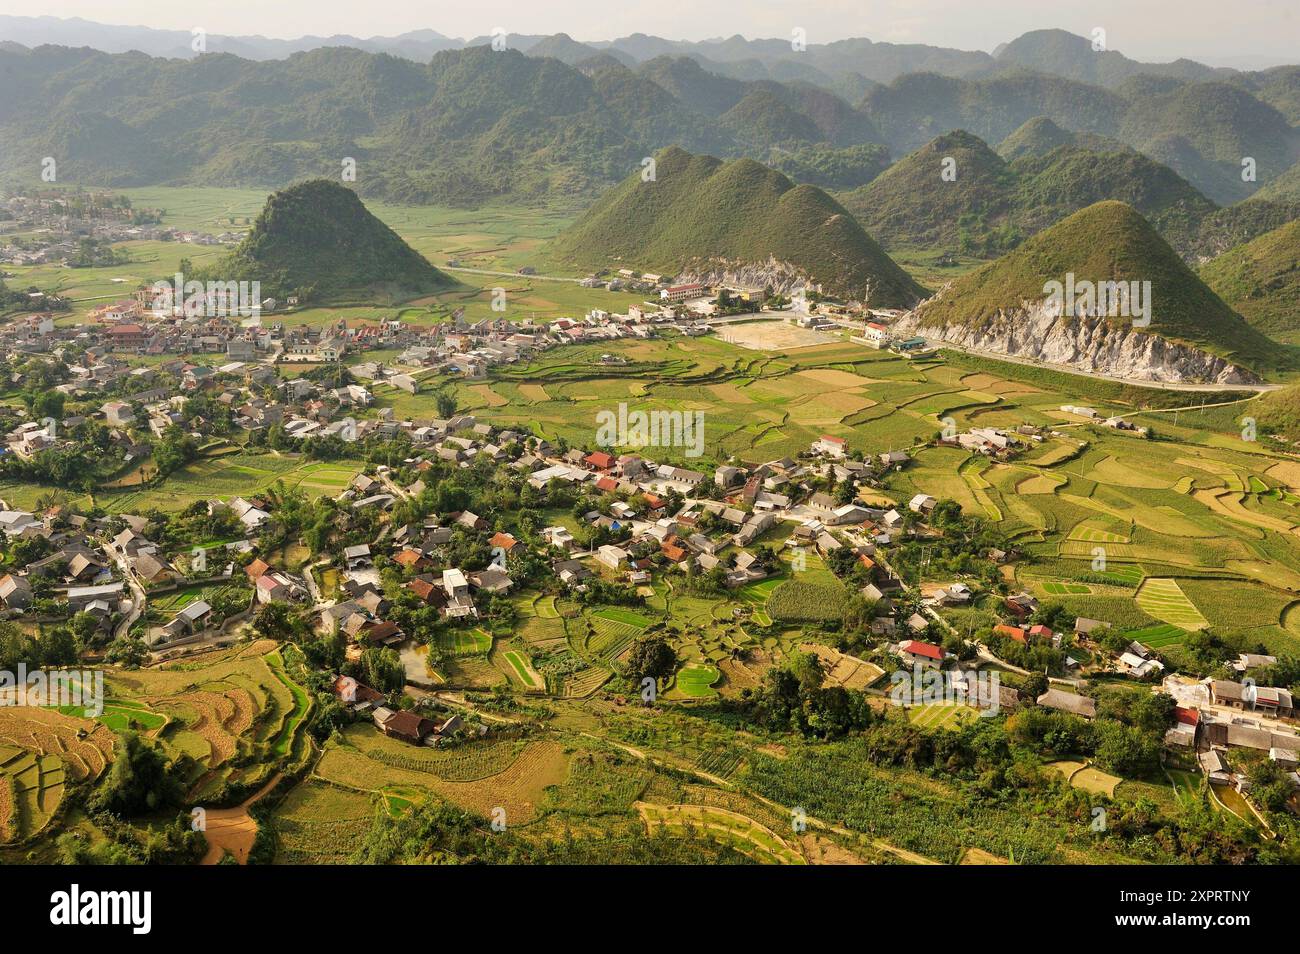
700 207
992 205
1261 279
319 233
1278 412
1109 241
912 202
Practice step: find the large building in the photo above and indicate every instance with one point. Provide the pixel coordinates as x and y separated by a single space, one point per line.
677 293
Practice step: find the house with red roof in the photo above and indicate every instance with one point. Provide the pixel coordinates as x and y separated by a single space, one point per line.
1011 632
830 446
922 653
1183 734
673 552
599 460
412 559
503 540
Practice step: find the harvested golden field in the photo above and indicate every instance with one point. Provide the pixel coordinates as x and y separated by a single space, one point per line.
837 379
518 789
491 397
48 732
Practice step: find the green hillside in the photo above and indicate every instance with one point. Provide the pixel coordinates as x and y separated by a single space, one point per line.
1070 178
912 203
1109 241
1285 186
1040 135
1261 279
1203 130
761 119
830 167
317 235
700 208
992 205
1278 412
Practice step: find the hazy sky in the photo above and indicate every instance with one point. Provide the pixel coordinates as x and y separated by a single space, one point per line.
1208 30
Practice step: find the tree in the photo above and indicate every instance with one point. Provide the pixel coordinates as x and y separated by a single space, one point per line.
382 668
277 620
651 657
445 402
129 651
1036 685
141 780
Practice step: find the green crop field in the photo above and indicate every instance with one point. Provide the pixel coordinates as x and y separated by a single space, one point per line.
941 716
696 681
521 670
1158 637
1057 588
1163 599
466 642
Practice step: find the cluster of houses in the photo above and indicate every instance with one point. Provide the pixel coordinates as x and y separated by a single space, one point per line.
53 224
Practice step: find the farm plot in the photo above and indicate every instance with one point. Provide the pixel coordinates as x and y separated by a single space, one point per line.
539 623
731 828
1158 637
321 824
41 752
465 763
1058 588
1099 530
842 669
1162 598
235 712
941 716
522 671
695 681
466 642
614 632
796 601
229 475
519 789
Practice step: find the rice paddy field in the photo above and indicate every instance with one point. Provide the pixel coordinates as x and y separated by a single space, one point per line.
1196 529
43 753
238 712
233 473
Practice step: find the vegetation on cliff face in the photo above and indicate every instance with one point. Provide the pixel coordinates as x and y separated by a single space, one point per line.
1261 279
1106 242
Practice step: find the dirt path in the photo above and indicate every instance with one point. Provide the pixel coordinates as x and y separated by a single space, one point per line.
233 829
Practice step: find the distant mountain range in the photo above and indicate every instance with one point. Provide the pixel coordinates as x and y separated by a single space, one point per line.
990 204
474 124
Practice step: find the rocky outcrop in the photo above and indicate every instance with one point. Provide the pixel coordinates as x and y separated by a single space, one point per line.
782 277
1095 345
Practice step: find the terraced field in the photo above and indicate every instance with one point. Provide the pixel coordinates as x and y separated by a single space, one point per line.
466 642
739 831
1163 599
236 712
42 752
514 779
695 681
612 638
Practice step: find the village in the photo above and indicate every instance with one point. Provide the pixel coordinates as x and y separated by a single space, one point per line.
643 521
